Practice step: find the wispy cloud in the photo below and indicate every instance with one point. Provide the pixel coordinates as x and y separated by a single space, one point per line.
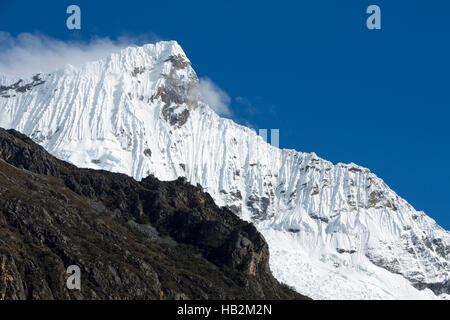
217 99
28 54
246 105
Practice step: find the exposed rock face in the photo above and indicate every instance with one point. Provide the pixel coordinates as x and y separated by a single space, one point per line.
20 87
132 240
179 96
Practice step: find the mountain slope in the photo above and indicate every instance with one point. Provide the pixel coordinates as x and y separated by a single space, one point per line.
139 112
132 240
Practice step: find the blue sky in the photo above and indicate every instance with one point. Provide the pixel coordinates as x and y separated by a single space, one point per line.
312 69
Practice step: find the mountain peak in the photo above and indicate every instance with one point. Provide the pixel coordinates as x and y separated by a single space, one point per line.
151 52
139 112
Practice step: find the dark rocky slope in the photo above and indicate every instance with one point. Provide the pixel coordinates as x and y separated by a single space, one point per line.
132 240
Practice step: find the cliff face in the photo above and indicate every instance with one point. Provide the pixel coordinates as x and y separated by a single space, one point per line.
131 240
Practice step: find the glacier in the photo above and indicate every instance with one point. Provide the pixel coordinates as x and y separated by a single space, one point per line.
335 231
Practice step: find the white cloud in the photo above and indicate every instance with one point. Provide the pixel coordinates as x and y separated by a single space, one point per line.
28 54
217 99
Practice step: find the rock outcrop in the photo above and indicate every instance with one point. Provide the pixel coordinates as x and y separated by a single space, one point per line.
131 240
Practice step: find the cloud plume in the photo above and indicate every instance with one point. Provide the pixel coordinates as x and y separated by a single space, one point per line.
28 54
217 99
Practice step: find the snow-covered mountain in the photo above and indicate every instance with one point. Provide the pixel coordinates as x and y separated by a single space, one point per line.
334 231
